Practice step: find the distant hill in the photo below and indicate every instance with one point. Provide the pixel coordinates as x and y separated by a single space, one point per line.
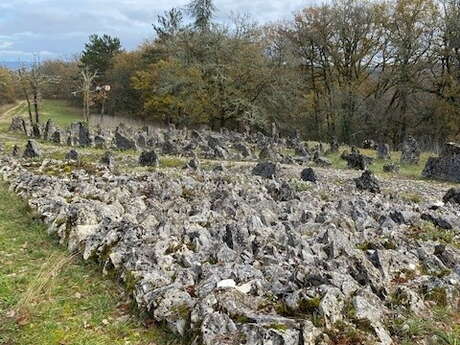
14 64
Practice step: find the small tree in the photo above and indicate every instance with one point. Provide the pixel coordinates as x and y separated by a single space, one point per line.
88 79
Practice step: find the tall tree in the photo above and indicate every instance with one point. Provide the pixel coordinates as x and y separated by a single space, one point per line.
202 12
98 54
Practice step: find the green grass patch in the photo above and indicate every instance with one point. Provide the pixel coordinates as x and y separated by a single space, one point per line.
59 111
47 297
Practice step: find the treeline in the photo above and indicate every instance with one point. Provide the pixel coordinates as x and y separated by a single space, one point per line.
8 87
349 69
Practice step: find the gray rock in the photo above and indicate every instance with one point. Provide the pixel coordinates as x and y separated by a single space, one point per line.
410 152
452 196
243 149
32 150
108 159
57 137
123 142
266 169
79 134
356 160
50 128
218 328
37 131
367 181
308 174
437 221
168 148
72 155
18 125
334 146
100 142
267 153
149 158
446 166
15 151
383 151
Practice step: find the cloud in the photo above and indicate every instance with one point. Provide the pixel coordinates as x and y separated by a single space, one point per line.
60 28
5 44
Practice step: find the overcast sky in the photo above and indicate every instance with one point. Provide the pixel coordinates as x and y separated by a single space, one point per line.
59 28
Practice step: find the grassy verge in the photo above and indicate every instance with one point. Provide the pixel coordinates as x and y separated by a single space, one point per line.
59 111
409 171
49 298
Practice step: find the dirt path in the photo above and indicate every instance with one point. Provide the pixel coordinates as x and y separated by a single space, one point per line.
11 110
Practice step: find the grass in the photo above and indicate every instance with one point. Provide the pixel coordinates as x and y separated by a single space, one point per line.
59 111
409 171
48 297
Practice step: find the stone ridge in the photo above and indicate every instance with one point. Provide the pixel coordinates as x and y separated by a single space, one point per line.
225 257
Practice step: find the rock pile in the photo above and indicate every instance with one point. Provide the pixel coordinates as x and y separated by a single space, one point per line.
232 258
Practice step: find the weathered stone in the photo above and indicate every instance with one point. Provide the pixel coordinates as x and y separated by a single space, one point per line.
218 328
368 182
356 160
32 150
17 124
100 142
36 131
308 174
57 137
107 159
243 149
383 151
72 155
446 166
219 152
437 221
123 142
452 196
149 158
50 128
334 146
266 169
267 153
410 152
283 192
168 148
15 151
79 134
141 141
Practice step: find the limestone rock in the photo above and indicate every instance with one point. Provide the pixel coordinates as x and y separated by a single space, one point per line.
149 158
72 155
410 152
266 169
446 166
32 150
308 174
452 196
368 182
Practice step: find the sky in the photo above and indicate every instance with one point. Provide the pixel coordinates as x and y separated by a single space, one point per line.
59 28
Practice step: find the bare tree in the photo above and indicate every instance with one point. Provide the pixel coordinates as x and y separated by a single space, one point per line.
23 75
88 78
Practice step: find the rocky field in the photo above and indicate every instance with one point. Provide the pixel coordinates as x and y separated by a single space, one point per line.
223 249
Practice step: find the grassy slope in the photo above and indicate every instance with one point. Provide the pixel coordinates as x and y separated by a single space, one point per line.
75 306
58 110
